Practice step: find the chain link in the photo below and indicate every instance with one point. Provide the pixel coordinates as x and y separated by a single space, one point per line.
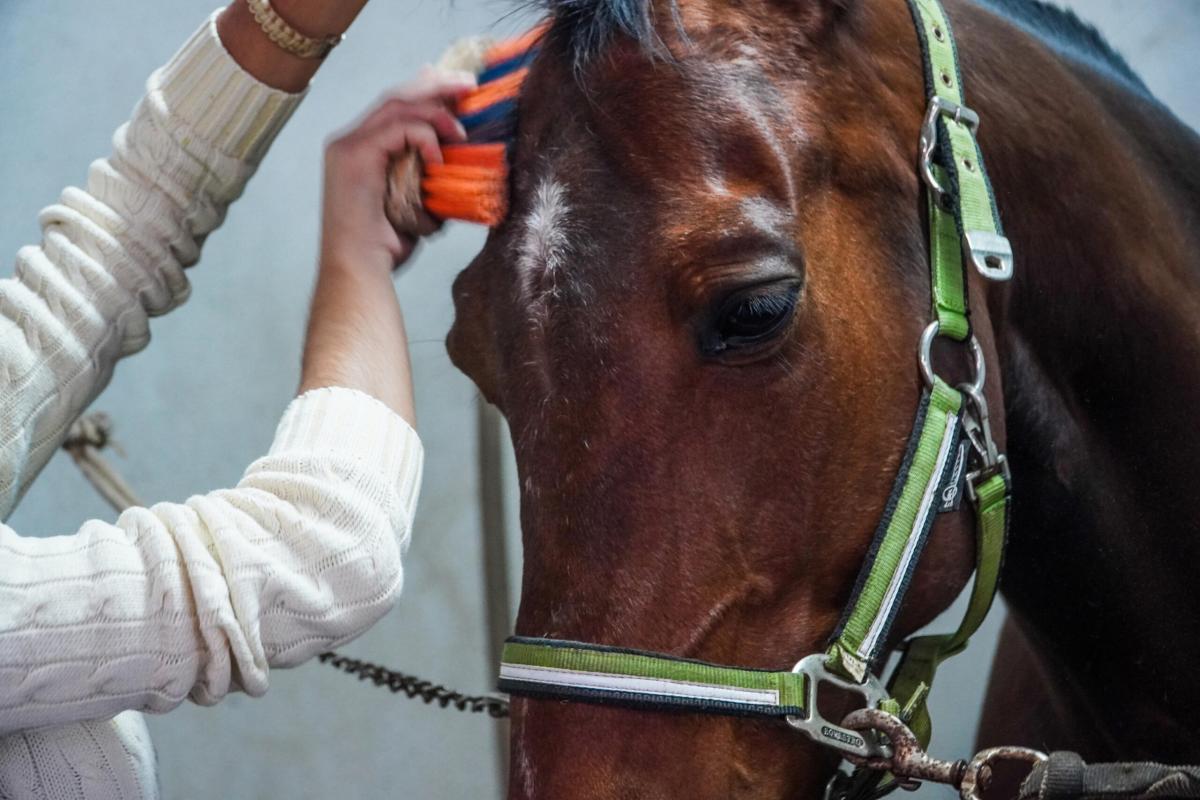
416 688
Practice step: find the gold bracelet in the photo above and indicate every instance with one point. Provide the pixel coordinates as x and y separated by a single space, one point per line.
288 38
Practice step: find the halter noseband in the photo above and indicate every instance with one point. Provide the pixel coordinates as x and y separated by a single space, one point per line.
950 452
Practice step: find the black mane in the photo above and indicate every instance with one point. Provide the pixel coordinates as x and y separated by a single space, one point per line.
588 25
1067 33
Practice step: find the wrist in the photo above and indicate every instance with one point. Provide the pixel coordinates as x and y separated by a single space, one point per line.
359 266
356 336
318 18
254 51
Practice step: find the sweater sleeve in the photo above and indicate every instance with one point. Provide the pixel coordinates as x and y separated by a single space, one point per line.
199 598
112 255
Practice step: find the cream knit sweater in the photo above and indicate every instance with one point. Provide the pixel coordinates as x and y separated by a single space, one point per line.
181 600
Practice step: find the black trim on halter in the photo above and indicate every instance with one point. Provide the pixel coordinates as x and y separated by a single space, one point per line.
885 520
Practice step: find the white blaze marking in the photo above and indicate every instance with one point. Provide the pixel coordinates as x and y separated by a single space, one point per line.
543 247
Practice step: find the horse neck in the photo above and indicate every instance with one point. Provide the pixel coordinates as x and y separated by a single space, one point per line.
1099 340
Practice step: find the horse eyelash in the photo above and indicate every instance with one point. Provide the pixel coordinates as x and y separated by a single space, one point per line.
768 304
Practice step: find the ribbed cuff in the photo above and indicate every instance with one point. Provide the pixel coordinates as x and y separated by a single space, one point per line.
205 89
350 424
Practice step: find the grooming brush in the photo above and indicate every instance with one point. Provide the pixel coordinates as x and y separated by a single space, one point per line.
472 182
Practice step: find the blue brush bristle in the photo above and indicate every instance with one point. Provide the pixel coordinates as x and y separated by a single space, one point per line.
503 68
496 123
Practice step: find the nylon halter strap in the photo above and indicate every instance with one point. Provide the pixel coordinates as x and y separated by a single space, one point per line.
949 453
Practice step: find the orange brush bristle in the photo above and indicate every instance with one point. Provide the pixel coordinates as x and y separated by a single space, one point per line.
491 155
504 88
469 184
516 47
472 182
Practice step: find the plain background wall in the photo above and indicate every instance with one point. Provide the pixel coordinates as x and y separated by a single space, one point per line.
202 402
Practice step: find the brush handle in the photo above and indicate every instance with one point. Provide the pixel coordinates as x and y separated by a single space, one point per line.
403 204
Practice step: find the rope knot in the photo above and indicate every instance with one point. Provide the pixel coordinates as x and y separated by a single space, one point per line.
94 430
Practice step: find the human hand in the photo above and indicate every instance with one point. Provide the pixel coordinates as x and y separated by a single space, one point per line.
355 231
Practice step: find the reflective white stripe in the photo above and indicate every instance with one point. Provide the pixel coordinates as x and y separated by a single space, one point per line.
910 546
651 687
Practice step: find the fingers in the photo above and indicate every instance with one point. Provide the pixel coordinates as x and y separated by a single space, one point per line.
396 138
422 128
434 90
426 223
403 202
441 85
428 99
363 201
408 244
439 116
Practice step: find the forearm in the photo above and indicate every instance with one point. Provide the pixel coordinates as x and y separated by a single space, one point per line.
200 598
356 337
265 60
356 332
113 254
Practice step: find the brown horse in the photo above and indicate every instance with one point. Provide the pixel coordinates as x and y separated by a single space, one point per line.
701 320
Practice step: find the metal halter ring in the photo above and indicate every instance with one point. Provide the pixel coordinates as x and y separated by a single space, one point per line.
925 358
971 781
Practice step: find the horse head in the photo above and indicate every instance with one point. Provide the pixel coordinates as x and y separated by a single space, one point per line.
700 319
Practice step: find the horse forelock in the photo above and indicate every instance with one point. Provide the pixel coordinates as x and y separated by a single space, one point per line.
586 26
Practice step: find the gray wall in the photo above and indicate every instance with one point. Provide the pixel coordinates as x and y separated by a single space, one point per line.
202 402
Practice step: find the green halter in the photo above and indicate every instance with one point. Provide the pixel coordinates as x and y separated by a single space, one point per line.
951 449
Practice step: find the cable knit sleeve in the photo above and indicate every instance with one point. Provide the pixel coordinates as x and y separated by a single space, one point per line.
189 599
113 255
199 598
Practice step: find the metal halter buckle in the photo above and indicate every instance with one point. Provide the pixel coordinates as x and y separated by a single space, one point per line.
990 252
863 744
940 107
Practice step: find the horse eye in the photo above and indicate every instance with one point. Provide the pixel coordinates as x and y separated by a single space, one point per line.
751 318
